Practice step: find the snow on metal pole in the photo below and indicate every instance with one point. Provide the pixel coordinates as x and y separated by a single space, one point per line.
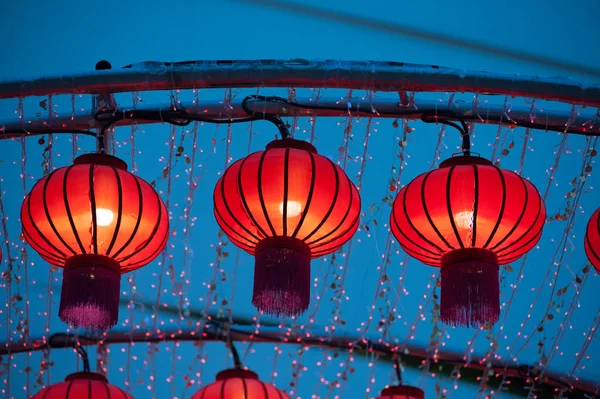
366 75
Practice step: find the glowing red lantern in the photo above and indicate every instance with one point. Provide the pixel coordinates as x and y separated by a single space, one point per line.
286 205
82 385
402 392
239 383
97 221
592 240
468 217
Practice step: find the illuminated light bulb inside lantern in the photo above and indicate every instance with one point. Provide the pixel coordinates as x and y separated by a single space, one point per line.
464 219
104 217
294 208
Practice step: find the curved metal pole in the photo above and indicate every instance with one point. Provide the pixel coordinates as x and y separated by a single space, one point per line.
552 120
366 75
413 356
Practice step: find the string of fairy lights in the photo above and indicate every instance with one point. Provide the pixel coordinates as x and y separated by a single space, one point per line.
187 163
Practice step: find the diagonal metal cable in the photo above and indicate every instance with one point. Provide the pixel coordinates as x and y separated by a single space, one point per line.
435 37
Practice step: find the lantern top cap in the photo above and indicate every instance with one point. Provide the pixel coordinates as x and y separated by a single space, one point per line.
100 159
292 143
464 160
88 376
404 390
237 373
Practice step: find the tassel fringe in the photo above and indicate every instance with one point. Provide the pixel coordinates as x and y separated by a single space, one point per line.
470 293
90 296
282 278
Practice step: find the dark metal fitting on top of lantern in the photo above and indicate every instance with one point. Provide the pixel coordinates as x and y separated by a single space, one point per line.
82 384
238 382
401 391
468 217
97 221
285 205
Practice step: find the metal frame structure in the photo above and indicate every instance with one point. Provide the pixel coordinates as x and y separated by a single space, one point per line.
366 75
550 120
374 76
415 357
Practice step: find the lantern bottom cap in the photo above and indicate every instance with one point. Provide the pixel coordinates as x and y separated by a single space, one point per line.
282 276
90 292
470 291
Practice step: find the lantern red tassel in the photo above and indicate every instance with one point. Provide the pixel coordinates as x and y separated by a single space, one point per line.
282 276
470 287
90 292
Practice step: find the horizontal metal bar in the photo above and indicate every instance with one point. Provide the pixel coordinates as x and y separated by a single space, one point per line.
366 75
583 123
413 356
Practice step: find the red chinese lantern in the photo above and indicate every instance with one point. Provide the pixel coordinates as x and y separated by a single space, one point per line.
97 221
468 217
83 385
592 240
402 392
239 383
286 205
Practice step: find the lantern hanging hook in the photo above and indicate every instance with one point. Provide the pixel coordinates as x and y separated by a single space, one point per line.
84 357
237 363
283 130
61 340
106 120
462 128
398 368
101 148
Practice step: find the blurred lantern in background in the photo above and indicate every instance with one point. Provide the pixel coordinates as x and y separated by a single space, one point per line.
239 384
83 385
592 240
402 392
